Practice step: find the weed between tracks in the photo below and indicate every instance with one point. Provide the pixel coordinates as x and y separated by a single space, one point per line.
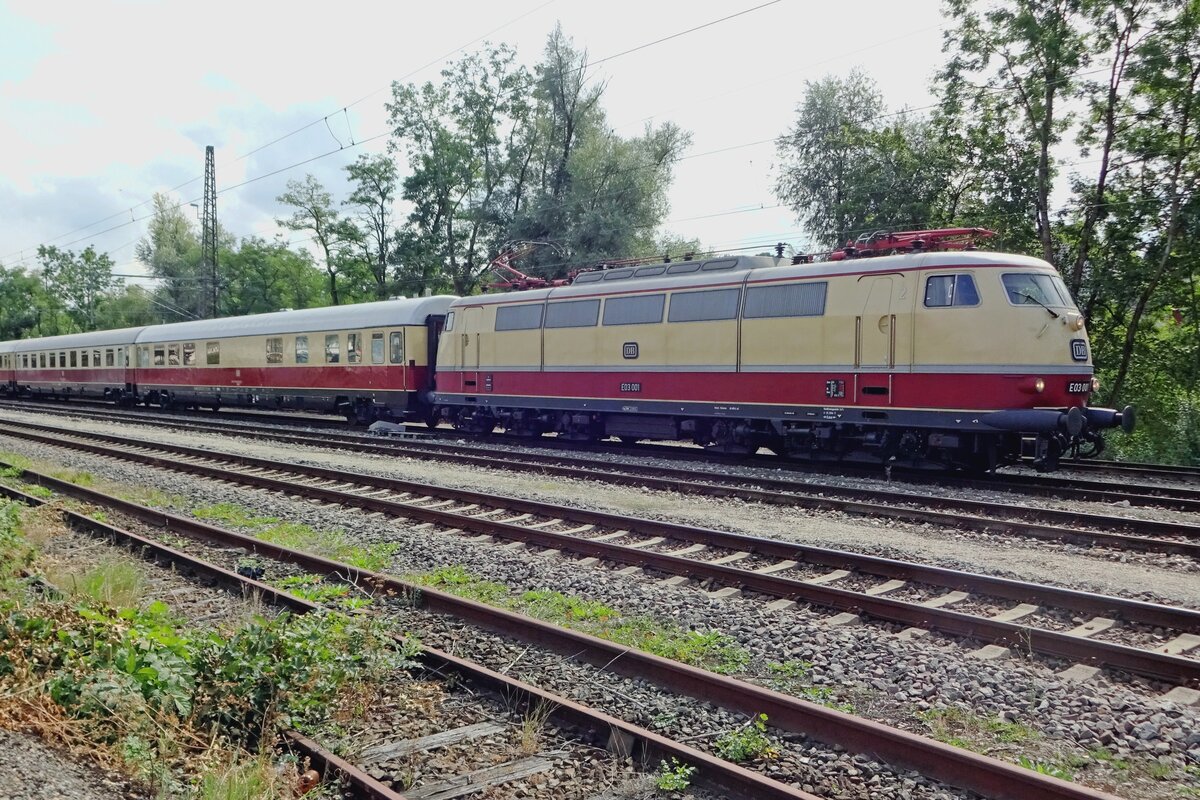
710 650
191 712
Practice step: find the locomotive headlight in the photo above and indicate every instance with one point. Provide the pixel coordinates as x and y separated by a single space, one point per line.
1076 322
1095 384
1039 385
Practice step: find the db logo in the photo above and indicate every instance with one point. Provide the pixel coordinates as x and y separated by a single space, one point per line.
629 350
1079 350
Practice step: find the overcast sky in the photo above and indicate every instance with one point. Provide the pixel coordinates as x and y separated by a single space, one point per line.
103 103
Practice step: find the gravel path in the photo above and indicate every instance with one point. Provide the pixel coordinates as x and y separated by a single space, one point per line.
884 677
30 770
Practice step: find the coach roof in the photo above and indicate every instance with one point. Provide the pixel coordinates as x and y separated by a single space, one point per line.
71 341
385 313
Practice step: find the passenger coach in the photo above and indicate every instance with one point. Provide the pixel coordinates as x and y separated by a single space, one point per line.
89 365
364 361
947 357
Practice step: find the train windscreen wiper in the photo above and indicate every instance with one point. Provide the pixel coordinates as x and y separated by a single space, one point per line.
1028 296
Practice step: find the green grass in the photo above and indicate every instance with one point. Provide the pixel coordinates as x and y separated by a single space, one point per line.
330 544
77 477
972 732
710 650
230 514
38 491
794 677
115 583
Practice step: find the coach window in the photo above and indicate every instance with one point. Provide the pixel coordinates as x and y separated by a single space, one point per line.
173 355
636 310
108 358
396 341
332 349
519 318
376 348
143 357
704 306
160 355
574 314
54 361
353 348
43 359
943 291
74 358
189 354
792 300
214 352
62 359
301 349
95 358
83 358
275 350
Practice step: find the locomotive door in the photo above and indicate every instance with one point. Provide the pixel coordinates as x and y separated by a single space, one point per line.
469 347
875 328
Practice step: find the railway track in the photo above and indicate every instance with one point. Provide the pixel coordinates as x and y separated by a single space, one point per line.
954 766
1117 633
1009 518
1183 498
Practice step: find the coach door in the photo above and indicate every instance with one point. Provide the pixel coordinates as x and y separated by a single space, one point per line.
469 344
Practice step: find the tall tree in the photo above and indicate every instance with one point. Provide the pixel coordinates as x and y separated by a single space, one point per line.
171 250
79 280
268 276
374 193
314 212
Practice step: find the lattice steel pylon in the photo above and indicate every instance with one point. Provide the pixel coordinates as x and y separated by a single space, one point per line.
208 232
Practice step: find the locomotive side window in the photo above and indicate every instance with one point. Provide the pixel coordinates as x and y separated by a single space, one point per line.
275 350
704 306
108 358
353 348
942 291
449 322
376 348
332 349
519 318
1032 288
396 342
189 354
213 352
635 310
575 314
793 300
301 349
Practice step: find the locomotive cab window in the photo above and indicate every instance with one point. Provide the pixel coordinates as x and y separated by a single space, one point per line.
301 349
376 348
1035 288
189 354
396 343
275 350
450 322
943 291
353 348
213 351
333 350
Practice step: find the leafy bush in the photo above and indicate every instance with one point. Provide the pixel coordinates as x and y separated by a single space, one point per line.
674 777
748 742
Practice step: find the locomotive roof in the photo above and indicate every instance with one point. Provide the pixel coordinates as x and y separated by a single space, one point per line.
117 336
726 271
384 313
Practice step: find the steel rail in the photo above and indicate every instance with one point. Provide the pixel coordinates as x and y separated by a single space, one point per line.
713 771
1175 498
951 765
1160 666
1028 529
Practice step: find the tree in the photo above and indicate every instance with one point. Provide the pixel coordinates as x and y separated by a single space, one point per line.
171 250
80 281
374 192
268 276
23 305
314 212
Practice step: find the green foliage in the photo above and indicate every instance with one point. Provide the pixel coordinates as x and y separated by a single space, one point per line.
330 544
673 777
793 677
747 743
961 728
710 650
1044 768
263 276
230 514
